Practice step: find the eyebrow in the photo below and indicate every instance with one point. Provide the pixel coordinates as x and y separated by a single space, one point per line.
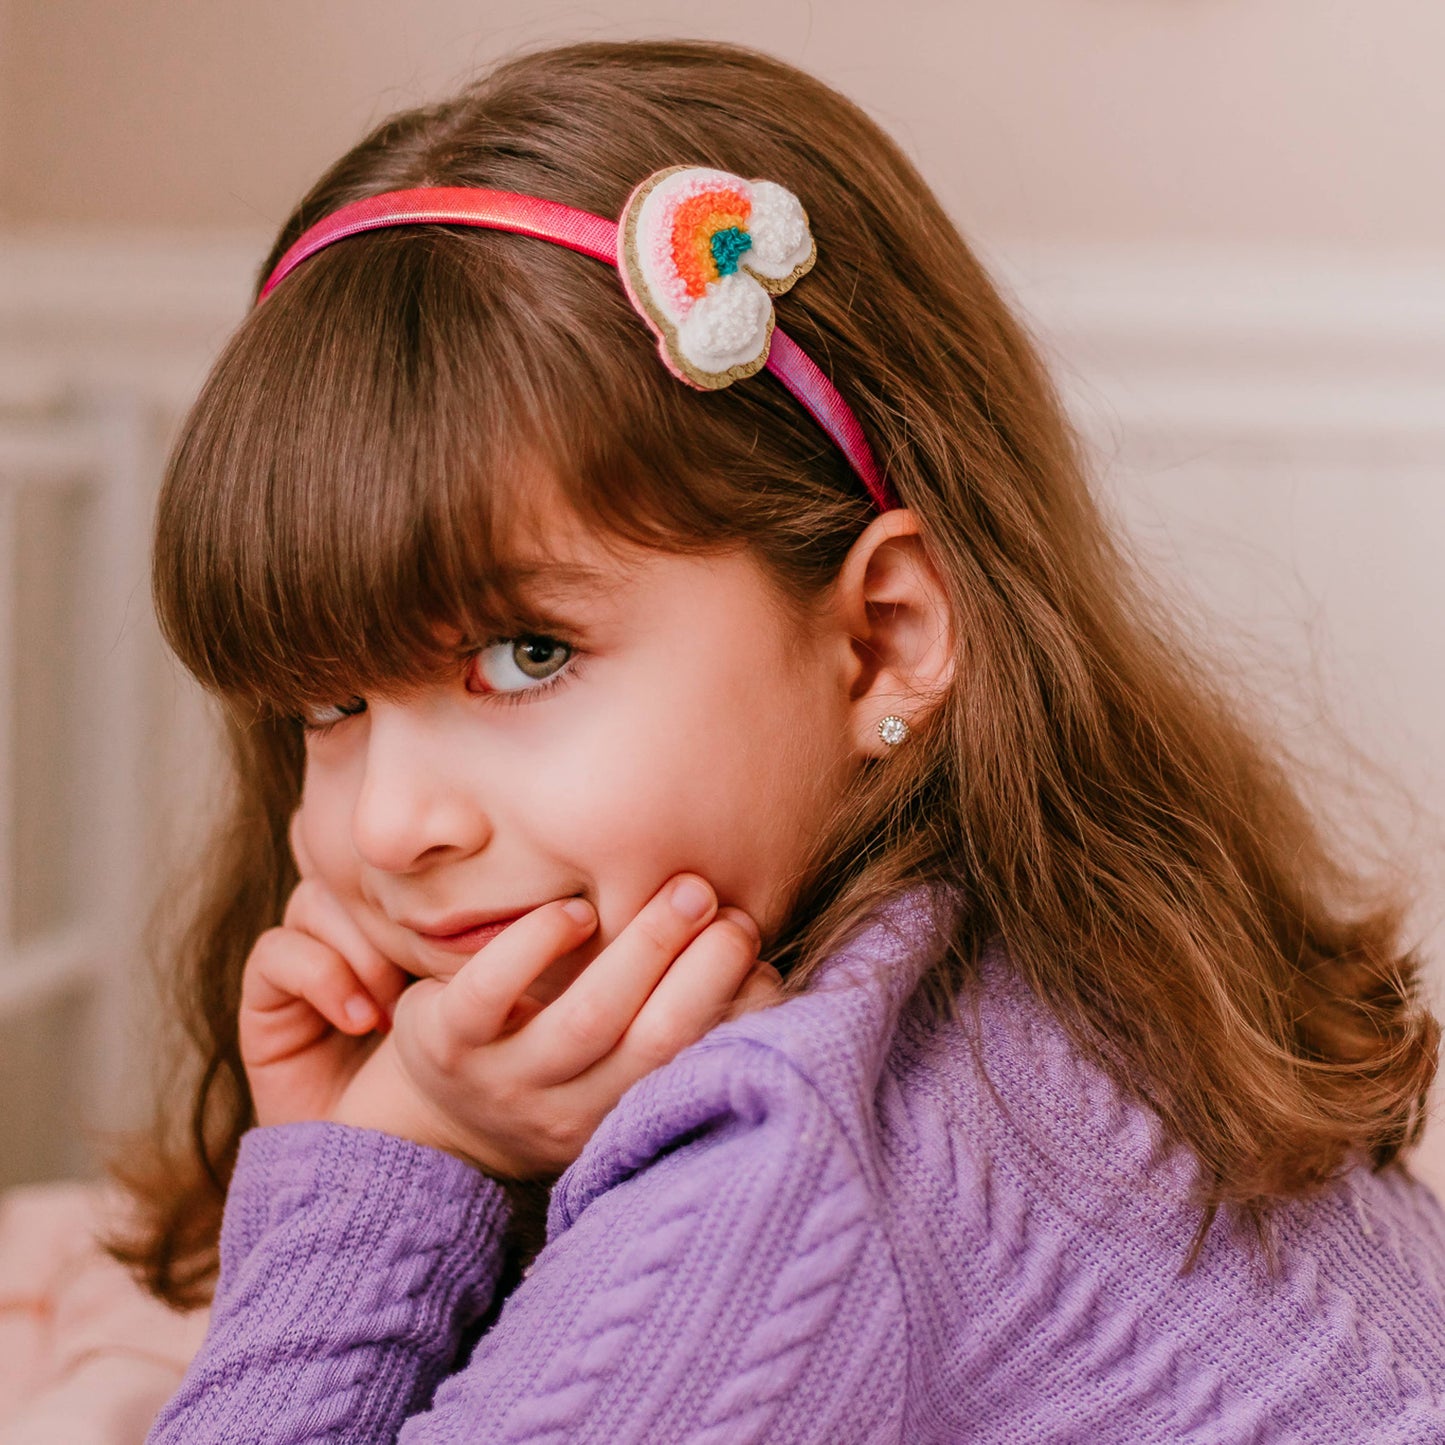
535 588
556 579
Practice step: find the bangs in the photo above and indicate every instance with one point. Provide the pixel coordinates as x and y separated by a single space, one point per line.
375 458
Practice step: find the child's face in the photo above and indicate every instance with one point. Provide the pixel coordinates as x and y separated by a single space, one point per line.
699 725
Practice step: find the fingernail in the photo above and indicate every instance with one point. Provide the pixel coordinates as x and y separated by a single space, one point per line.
691 898
743 920
359 1012
578 909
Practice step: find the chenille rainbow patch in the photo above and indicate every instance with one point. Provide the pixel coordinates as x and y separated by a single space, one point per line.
702 255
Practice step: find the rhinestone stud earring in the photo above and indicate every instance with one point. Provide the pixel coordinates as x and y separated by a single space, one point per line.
893 730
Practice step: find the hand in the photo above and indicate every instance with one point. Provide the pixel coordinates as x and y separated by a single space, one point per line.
473 1066
314 994
520 1099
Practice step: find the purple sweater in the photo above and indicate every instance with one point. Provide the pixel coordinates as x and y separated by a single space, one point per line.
837 1220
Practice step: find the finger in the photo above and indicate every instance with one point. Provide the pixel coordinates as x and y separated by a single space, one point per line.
762 988
474 1006
763 982
695 993
313 908
599 1005
291 980
522 1012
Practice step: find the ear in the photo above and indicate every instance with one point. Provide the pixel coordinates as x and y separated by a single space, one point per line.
893 605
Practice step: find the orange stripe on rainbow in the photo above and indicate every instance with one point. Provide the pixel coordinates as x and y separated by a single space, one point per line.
695 221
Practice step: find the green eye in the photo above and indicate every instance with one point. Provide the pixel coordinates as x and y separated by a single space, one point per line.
515 664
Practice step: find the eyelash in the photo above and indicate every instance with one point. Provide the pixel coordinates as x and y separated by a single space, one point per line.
566 673
569 670
319 730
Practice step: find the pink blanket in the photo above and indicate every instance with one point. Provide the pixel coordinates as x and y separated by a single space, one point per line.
86 1356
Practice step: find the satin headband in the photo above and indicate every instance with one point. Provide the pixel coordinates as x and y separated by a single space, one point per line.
701 252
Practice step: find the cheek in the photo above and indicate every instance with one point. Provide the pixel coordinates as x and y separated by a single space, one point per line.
729 775
621 808
321 837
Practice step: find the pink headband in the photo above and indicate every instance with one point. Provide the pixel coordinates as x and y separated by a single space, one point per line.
701 252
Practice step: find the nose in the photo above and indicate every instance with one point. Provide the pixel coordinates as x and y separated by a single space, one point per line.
416 804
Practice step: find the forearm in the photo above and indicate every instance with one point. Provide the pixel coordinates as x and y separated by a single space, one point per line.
351 1265
716 1272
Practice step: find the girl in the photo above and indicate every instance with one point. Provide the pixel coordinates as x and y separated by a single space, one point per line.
571 666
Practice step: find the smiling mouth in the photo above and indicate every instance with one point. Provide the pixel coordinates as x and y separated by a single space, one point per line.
469 938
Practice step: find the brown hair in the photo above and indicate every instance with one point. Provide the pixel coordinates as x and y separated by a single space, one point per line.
1087 795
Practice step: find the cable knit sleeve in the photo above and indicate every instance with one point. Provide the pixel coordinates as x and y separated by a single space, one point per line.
715 1272
351 1262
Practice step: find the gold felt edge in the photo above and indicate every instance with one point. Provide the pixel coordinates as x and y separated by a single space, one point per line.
775 286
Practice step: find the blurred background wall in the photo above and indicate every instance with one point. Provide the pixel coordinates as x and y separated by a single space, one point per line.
1224 219
1311 122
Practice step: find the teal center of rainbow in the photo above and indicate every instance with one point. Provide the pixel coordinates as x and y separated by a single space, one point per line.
728 245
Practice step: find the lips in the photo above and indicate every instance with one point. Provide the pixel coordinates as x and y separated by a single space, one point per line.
463 934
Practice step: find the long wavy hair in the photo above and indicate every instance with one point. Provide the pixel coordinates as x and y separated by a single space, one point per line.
1090 795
